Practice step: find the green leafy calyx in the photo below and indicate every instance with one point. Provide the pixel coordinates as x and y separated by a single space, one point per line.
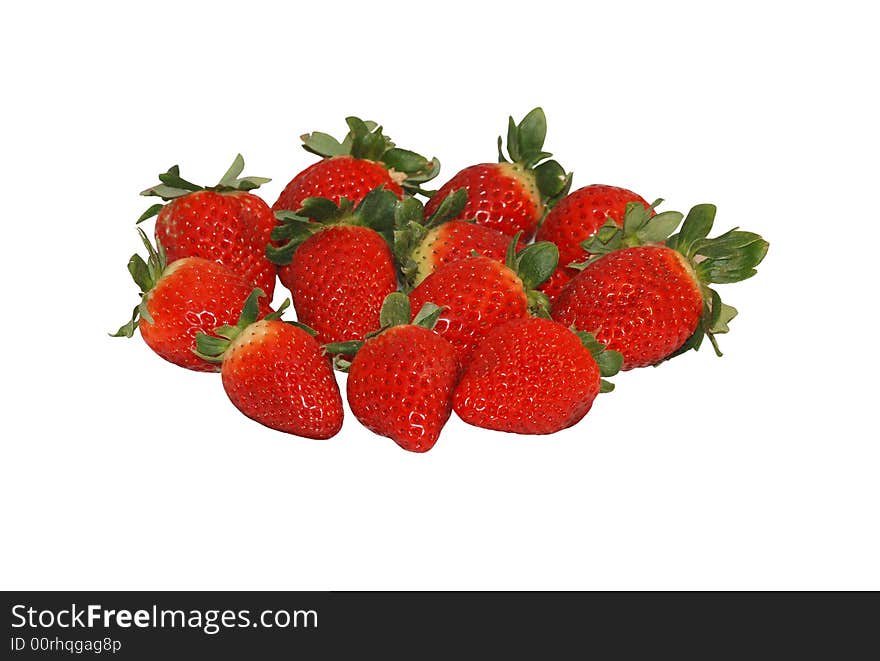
212 347
365 140
172 186
608 360
146 274
376 211
411 229
533 264
395 312
525 147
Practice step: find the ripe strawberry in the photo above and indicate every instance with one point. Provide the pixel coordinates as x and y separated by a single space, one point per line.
181 299
224 223
479 293
276 373
421 245
364 160
511 196
533 376
652 301
576 218
337 263
401 380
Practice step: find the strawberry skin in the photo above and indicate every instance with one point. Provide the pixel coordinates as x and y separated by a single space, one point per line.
400 385
224 223
478 294
503 196
338 279
365 160
576 218
455 240
277 374
642 301
335 178
528 376
193 295
514 194
231 228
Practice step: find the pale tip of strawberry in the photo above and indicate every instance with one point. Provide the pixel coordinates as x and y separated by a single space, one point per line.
397 177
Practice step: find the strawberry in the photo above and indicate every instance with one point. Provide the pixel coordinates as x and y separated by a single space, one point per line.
511 196
479 293
652 301
337 263
576 218
364 160
401 380
533 376
224 223
181 299
421 245
276 373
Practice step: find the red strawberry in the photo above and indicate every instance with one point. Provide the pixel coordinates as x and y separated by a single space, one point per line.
511 196
421 245
576 218
401 380
652 301
479 293
533 376
224 223
365 160
337 263
179 300
276 373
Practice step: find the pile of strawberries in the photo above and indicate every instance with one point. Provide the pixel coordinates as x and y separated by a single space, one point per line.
505 297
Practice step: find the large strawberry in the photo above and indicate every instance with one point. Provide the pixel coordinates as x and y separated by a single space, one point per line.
401 380
364 160
511 195
224 223
276 373
337 263
181 299
652 301
576 218
533 376
479 293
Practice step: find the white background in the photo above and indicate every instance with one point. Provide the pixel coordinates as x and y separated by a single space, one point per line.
757 470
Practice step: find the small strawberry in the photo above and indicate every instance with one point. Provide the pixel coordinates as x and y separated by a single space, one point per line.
401 380
533 376
181 299
479 293
652 301
576 218
224 223
364 160
511 196
276 373
421 245
337 263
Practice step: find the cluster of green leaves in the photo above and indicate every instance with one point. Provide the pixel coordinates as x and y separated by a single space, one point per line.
525 146
376 211
365 140
212 347
608 360
533 264
172 186
145 275
395 311
411 227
